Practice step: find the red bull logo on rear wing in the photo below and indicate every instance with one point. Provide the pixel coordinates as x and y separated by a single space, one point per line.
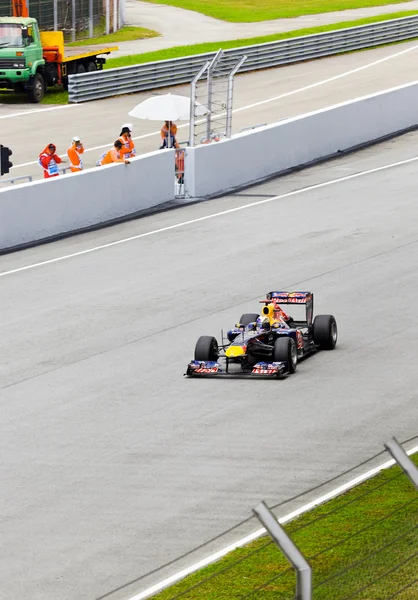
289 297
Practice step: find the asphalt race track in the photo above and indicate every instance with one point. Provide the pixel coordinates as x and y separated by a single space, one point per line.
112 462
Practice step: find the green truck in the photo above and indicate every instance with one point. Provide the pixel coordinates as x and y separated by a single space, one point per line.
31 60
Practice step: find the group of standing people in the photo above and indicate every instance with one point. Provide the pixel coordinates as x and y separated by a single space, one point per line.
123 149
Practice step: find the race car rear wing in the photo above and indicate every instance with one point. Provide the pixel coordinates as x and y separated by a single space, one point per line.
290 298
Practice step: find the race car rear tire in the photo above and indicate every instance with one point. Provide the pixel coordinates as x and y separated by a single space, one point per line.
285 351
325 332
248 318
206 349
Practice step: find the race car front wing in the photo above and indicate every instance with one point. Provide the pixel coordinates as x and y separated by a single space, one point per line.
197 368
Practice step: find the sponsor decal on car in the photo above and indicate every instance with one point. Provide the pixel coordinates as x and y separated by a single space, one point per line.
266 368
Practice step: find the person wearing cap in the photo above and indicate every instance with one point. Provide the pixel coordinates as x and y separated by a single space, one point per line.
113 155
49 161
74 155
128 147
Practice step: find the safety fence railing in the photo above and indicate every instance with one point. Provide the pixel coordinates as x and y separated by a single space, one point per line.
77 19
148 76
360 542
19 178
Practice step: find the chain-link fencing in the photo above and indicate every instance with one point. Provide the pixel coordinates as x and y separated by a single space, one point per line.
78 19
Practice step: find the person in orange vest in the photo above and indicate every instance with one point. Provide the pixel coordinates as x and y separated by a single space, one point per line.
74 155
113 155
169 129
128 146
49 161
179 162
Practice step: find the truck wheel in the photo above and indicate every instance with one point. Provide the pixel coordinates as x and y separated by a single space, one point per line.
206 349
248 318
80 69
36 90
91 66
325 332
285 351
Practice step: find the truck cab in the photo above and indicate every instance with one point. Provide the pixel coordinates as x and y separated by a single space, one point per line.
21 56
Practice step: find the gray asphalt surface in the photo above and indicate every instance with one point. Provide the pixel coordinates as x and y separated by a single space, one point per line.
179 27
112 462
27 130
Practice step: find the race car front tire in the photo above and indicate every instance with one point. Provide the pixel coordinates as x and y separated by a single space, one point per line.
206 349
285 351
325 332
248 318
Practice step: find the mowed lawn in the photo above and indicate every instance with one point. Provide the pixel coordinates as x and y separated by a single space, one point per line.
247 11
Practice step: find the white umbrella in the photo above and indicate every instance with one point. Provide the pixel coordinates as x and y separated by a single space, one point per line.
169 107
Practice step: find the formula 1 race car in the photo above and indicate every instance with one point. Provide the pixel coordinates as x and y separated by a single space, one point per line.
267 344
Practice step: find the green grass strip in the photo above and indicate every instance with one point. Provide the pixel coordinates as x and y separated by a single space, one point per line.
180 51
366 539
250 11
58 96
125 34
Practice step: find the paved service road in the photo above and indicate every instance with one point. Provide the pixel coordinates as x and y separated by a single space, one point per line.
283 92
112 462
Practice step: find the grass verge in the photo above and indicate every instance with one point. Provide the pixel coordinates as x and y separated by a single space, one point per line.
179 51
250 11
351 542
125 34
57 96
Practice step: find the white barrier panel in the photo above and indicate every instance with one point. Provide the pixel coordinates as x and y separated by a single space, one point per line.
41 209
254 155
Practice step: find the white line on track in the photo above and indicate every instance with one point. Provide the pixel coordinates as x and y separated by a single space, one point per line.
249 106
249 538
37 110
211 216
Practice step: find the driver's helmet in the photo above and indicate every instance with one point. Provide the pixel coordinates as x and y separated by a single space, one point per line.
263 323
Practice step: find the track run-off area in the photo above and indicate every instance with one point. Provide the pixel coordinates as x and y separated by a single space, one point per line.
114 463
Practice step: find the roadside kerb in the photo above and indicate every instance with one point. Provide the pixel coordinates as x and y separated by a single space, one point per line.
137 78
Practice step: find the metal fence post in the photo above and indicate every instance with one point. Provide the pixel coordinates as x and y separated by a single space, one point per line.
107 17
230 96
73 21
90 18
403 460
289 549
55 15
115 15
211 69
193 100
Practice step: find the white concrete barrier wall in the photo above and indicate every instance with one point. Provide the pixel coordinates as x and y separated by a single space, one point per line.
38 210
254 155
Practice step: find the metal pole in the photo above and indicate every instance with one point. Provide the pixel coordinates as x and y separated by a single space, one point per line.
193 102
90 18
55 15
230 96
211 69
291 552
107 17
73 21
403 460
115 15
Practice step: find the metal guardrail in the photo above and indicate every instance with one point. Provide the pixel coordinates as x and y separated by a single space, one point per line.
164 73
19 178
